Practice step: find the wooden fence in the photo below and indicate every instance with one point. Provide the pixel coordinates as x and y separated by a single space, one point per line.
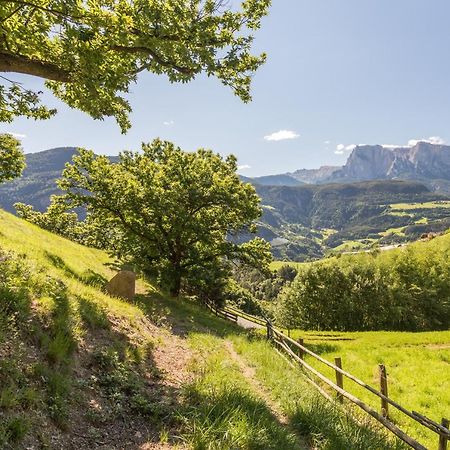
296 351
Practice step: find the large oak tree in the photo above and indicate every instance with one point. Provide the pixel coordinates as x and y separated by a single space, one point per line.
91 51
170 212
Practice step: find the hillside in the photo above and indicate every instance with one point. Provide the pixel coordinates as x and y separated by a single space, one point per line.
301 221
80 369
38 181
314 219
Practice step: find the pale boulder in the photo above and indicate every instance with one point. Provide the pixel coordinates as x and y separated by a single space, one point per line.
123 285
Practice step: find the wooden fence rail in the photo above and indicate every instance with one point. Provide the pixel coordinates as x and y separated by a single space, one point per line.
297 350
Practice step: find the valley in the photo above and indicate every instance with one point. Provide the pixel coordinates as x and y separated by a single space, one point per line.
302 221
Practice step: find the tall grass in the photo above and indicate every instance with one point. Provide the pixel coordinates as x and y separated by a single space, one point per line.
327 426
222 412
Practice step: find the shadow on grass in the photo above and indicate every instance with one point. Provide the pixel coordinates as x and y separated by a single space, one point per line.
321 347
228 418
75 366
89 277
183 316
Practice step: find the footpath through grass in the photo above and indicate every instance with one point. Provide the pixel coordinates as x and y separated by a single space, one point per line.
222 410
80 369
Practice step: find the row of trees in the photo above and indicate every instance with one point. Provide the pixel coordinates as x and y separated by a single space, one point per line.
398 290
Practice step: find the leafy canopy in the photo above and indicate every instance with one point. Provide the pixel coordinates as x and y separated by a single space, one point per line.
172 213
91 51
12 160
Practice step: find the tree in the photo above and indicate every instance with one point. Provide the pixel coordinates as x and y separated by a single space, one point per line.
60 220
12 160
171 212
91 52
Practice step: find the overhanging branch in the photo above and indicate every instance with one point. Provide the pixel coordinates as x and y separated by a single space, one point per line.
28 66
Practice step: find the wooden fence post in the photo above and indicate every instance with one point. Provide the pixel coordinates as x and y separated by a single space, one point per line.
269 331
339 378
383 390
300 350
443 439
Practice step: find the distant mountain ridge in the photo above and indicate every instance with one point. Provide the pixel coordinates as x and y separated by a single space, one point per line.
425 162
305 220
38 181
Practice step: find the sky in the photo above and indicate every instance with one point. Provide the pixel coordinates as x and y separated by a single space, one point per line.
339 73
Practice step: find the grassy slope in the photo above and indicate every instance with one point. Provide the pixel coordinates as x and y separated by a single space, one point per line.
76 364
418 365
81 369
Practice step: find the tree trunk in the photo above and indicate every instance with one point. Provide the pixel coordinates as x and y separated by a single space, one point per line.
176 284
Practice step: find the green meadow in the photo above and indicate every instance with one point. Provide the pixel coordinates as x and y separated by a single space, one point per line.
418 367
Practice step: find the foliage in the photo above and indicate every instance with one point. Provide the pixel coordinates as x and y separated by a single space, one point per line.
59 220
170 212
12 160
90 52
260 287
405 289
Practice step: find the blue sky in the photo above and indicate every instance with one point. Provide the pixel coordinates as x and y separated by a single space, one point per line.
338 73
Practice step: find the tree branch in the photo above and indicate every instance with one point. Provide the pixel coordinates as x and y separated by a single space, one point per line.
28 66
148 51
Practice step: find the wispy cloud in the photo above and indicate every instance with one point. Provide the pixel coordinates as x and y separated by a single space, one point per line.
436 140
168 123
339 149
282 135
327 142
244 167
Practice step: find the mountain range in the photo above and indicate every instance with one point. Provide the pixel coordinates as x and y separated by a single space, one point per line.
425 162
380 196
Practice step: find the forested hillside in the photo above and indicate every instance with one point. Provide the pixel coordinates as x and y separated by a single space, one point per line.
301 221
316 218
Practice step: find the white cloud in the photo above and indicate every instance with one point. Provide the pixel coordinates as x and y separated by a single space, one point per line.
436 140
18 135
282 135
244 167
341 148
168 123
327 142
431 140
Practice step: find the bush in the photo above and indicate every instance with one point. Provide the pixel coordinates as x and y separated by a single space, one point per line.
406 290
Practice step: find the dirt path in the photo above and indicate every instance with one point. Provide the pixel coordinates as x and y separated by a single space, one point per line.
244 323
250 374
